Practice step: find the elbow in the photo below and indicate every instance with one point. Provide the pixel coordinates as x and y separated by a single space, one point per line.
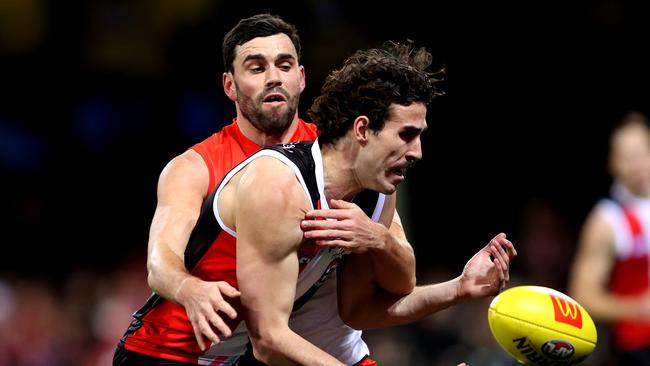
152 276
409 285
407 281
265 346
151 281
354 322
347 316
403 287
351 316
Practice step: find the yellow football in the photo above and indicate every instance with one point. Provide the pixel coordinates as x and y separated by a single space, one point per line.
541 326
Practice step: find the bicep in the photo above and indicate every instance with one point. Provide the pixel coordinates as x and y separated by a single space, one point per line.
594 257
356 283
267 283
182 187
268 214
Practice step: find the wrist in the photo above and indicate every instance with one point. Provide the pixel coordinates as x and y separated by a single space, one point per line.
179 294
383 239
461 293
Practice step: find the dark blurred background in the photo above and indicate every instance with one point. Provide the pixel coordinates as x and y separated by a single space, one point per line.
98 96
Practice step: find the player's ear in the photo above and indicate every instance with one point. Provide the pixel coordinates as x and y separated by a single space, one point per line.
303 81
229 88
361 129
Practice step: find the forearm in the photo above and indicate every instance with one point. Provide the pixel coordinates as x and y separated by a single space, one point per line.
284 347
608 307
170 231
384 310
394 264
167 274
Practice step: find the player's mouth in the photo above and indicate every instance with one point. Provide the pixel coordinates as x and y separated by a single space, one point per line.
397 173
274 99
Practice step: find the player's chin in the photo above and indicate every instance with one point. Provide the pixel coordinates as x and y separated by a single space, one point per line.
388 187
393 181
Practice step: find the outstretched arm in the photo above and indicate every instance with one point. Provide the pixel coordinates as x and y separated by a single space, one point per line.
389 253
485 274
270 203
181 190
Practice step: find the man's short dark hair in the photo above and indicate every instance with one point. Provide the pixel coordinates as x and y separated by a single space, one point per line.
260 25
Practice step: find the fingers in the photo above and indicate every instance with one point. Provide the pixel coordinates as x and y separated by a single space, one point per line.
510 248
218 323
319 224
327 234
204 329
499 253
339 210
341 204
203 311
504 246
226 308
227 289
208 321
342 244
503 251
199 336
501 281
332 243
507 244
337 214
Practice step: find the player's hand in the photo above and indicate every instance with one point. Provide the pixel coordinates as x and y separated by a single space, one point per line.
202 300
349 228
487 273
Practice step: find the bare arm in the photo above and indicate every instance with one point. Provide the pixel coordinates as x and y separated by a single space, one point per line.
270 204
181 190
590 275
390 254
370 308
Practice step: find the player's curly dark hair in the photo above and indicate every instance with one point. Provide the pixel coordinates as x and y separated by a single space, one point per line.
368 83
260 25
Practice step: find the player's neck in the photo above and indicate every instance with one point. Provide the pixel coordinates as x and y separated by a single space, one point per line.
338 172
265 139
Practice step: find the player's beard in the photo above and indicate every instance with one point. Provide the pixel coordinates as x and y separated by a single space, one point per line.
274 121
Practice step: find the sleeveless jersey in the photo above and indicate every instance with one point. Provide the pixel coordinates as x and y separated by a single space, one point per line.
630 276
229 147
161 328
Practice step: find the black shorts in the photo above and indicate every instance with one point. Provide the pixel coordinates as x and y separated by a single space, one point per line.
122 357
249 360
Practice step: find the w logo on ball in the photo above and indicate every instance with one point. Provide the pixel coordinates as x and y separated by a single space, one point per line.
566 311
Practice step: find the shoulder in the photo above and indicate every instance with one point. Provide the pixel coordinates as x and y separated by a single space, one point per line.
270 204
606 212
187 168
190 160
270 178
601 223
268 186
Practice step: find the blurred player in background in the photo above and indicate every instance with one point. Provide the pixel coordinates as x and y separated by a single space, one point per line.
611 271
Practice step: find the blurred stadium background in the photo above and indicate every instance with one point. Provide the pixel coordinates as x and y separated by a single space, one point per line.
98 95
